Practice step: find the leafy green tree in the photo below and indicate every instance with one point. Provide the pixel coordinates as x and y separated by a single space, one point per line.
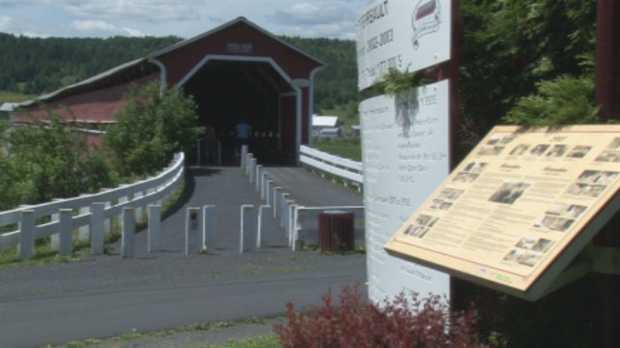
150 128
48 159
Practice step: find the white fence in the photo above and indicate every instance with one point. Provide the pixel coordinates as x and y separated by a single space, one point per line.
138 196
300 222
348 170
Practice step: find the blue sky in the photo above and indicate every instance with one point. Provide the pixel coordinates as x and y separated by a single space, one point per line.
184 18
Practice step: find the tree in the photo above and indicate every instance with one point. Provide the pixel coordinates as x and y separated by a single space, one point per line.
48 159
150 128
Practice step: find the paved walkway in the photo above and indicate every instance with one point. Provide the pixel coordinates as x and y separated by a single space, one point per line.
105 296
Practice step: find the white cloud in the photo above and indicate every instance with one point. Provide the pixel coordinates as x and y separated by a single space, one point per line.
6 23
309 13
143 11
133 32
91 26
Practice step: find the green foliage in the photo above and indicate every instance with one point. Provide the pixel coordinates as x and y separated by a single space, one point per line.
562 101
336 84
47 159
150 128
395 82
36 65
510 47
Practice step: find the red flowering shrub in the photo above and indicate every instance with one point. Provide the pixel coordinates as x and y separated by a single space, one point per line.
405 322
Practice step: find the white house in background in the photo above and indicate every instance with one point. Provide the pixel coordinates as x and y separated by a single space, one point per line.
325 126
6 111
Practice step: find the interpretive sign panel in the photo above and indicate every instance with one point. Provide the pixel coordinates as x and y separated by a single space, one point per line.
403 35
405 157
515 204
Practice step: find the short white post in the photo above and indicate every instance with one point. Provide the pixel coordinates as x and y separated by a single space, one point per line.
294 225
276 200
192 223
107 225
26 235
253 167
65 232
244 154
84 231
264 226
259 176
290 222
154 231
248 228
209 226
268 192
283 209
139 207
121 201
55 238
97 228
128 234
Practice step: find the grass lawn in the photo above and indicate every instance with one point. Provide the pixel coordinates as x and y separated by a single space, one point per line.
13 97
344 147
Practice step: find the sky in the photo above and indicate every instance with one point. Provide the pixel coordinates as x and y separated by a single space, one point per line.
184 18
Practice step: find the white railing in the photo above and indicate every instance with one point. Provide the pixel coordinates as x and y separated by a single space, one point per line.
348 170
299 222
137 195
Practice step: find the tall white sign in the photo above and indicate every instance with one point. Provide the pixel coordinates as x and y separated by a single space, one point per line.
405 154
401 34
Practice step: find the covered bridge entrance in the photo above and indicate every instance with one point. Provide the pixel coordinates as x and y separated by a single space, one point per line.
241 72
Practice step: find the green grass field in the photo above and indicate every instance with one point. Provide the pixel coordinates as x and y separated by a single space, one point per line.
344 147
13 97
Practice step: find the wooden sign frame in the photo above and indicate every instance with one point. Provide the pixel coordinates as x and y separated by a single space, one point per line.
519 209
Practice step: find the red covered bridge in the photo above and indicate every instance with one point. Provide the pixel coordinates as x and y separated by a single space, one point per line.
235 71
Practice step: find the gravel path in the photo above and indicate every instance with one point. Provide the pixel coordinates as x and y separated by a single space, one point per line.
35 300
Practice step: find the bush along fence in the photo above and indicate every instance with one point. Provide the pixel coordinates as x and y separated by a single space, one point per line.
349 171
299 222
91 214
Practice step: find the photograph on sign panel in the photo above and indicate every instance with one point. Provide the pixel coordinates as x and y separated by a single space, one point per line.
539 149
608 156
536 244
598 177
465 177
440 204
579 151
510 192
554 223
450 193
490 150
566 210
416 231
581 189
557 150
475 167
520 149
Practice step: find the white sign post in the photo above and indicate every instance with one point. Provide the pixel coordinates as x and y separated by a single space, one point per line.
405 157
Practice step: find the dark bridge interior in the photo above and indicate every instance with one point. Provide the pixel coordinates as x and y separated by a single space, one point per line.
228 91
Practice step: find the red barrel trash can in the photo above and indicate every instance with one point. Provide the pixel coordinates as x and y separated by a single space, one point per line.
336 230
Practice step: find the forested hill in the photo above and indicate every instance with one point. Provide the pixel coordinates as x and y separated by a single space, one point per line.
35 66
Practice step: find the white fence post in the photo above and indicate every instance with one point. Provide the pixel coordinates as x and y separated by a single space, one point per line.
192 222
248 228
55 238
264 226
154 229
129 231
276 195
258 175
97 228
26 235
139 208
209 227
84 231
244 155
268 192
65 232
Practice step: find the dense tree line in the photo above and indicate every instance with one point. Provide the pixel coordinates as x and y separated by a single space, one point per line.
36 65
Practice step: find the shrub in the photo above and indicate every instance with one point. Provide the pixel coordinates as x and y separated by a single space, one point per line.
407 321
